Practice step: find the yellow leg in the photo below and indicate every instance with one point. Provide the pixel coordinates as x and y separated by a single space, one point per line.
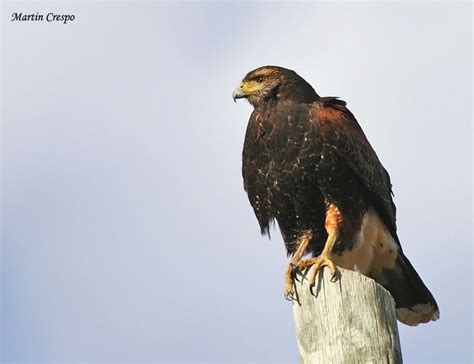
294 262
332 223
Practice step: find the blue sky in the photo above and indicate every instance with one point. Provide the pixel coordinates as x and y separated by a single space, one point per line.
126 234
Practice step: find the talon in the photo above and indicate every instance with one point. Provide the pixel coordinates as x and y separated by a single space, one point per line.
289 297
289 294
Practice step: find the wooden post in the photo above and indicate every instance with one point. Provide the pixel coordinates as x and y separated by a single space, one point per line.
349 320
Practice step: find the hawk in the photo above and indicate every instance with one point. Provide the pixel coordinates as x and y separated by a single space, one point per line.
308 165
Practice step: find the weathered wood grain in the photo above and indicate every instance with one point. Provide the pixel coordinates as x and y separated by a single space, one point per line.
350 320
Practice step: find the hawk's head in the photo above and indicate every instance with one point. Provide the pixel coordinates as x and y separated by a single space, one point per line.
273 83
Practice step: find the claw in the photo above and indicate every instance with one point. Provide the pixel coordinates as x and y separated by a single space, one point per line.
335 276
296 278
289 294
289 297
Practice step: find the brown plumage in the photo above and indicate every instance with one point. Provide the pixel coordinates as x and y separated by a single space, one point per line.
308 165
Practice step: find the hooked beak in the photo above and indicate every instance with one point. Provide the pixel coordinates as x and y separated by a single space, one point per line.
238 93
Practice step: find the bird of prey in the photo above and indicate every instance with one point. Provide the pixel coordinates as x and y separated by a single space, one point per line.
308 165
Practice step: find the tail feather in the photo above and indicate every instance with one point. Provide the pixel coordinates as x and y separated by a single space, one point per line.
414 303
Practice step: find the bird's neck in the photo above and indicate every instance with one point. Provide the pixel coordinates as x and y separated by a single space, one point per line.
300 91
287 94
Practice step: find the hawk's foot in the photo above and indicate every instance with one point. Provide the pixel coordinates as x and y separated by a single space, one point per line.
289 274
318 262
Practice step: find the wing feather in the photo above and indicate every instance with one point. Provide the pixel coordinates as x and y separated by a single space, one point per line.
341 131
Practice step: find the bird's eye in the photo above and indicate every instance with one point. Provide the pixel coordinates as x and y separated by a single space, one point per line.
260 79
